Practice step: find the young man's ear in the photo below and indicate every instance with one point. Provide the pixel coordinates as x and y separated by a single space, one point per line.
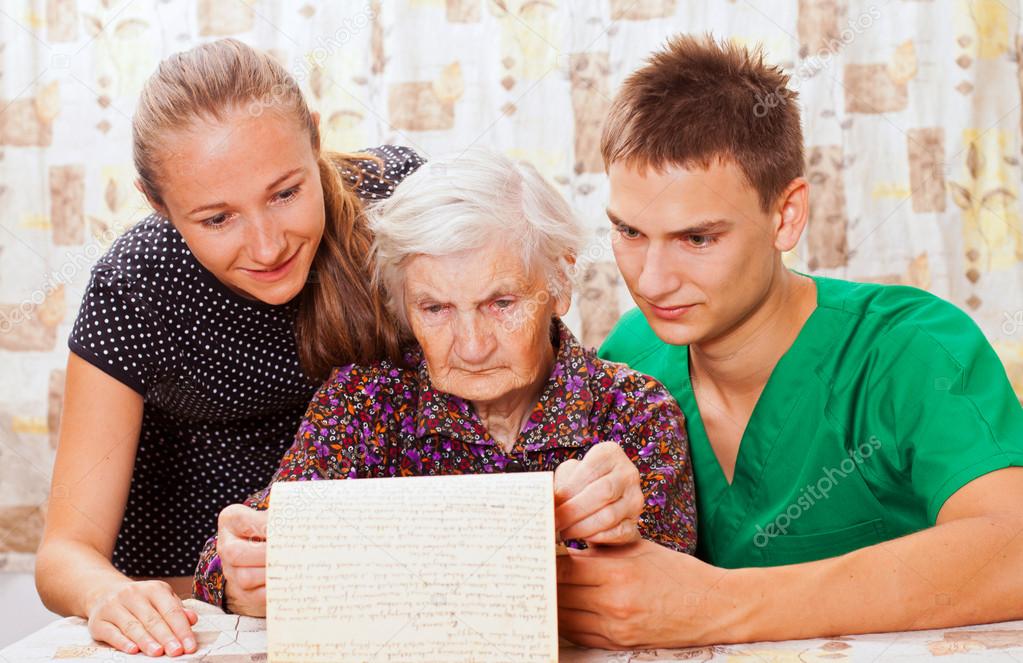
792 214
157 207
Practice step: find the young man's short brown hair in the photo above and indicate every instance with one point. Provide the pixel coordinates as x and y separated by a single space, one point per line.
698 100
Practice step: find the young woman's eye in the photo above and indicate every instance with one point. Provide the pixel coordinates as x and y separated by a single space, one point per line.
288 194
627 232
215 222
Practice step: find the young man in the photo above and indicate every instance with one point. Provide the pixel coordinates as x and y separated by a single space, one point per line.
857 448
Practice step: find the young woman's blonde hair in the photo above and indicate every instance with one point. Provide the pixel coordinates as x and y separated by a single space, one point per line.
341 318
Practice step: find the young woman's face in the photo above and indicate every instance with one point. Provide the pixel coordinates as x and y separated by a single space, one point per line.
246 196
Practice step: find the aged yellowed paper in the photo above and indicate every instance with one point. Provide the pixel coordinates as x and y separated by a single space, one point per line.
425 569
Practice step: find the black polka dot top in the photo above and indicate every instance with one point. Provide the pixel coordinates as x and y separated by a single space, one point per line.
219 374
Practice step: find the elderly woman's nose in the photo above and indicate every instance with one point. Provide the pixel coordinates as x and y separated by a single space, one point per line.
265 240
474 340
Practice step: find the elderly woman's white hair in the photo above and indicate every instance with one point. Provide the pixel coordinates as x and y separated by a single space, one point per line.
466 201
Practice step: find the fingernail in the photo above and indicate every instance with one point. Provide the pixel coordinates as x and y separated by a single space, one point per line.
189 644
173 646
131 648
153 649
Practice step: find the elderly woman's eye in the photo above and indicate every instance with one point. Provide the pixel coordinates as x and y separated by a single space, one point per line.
503 303
433 308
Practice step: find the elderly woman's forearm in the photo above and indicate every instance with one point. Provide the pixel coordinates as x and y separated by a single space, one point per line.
967 571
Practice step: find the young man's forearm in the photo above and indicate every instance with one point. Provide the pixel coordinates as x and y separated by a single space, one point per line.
967 571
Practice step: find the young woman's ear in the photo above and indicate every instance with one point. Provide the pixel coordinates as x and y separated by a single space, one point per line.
316 123
157 207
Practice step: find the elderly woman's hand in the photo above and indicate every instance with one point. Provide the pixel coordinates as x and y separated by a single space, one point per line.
241 544
598 499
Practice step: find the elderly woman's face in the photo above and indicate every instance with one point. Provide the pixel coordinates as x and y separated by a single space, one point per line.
483 325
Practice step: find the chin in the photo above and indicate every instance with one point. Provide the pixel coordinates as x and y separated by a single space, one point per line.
675 333
274 294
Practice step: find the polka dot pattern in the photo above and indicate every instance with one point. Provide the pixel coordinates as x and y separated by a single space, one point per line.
220 376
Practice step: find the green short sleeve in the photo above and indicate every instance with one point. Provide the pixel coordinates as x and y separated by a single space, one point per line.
945 405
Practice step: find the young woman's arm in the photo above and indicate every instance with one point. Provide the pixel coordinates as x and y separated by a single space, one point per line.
99 436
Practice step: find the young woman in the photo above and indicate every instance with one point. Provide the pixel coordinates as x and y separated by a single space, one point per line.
203 334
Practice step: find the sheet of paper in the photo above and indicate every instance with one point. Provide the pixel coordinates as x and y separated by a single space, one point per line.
425 569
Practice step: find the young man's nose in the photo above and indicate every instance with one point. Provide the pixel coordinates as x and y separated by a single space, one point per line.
658 277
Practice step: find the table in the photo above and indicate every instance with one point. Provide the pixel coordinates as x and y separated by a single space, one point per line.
225 638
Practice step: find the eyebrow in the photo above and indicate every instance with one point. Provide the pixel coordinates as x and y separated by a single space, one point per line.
502 290
270 187
705 227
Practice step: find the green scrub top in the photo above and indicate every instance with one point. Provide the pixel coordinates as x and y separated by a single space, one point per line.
888 402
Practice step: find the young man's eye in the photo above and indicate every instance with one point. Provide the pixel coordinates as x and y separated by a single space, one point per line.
627 232
700 241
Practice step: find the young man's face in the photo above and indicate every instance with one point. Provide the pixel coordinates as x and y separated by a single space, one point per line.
695 248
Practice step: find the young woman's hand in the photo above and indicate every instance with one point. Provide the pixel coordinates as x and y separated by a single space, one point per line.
241 544
598 499
143 616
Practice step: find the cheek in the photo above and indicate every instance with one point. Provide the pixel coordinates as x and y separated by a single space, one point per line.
215 250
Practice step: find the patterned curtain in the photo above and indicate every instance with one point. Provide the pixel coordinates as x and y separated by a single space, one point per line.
911 110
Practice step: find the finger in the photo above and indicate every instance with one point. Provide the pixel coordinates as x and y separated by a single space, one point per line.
173 612
562 479
243 522
597 462
107 632
589 500
247 578
625 532
146 611
238 552
131 626
192 615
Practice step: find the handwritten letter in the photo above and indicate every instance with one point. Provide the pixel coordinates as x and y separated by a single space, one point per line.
425 569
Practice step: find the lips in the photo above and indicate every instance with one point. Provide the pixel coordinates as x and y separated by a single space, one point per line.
275 272
670 312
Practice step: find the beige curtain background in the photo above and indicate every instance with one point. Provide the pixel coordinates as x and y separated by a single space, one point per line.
911 111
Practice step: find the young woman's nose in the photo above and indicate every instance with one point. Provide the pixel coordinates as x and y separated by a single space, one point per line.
266 243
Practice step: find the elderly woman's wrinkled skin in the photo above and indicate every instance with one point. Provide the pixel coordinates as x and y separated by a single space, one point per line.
487 338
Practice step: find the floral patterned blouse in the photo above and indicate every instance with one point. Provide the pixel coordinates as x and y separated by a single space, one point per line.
389 421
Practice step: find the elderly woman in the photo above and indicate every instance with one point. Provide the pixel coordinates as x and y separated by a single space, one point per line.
475 254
